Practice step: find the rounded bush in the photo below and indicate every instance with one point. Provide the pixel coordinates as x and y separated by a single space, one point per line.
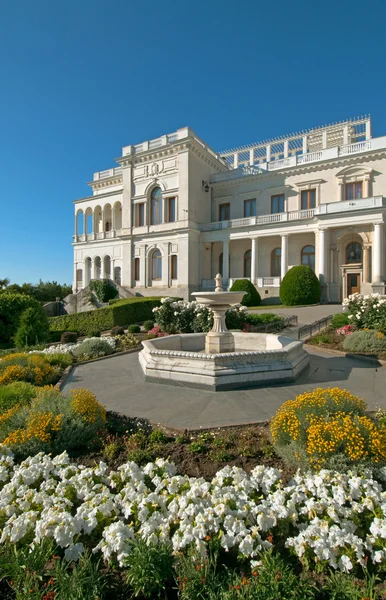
93 333
117 330
300 285
148 325
93 348
340 320
69 337
365 341
252 297
19 392
133 329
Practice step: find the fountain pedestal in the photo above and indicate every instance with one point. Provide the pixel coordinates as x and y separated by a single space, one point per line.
219 339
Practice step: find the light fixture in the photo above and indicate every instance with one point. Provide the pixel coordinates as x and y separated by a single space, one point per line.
205 186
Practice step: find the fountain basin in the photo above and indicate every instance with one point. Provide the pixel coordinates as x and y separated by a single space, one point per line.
258 360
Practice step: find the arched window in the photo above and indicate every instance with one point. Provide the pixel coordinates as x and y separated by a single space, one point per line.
79 278
308 256
354 252
156 265
136 269
80 223
275 262
107 267
97 268
117 275
156 207
247 263
173 266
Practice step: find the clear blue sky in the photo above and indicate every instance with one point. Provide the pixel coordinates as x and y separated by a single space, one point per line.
82 78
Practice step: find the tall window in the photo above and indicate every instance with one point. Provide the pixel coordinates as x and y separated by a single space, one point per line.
308 256
308 199
277 203
156 207
171 209
140 214
136 269
354 190
224 212
247 263
173 266
156 265
354 253
250 208
275 262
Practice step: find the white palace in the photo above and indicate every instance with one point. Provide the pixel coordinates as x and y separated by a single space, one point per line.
175 212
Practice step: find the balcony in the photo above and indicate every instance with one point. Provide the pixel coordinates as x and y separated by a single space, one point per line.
260 220
351 205
96 237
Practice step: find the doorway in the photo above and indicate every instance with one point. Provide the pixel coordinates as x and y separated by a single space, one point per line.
353 283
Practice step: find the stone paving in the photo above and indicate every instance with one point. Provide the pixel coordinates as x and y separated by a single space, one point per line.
119 384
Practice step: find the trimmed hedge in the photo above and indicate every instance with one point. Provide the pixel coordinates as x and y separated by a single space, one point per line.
125 312
300 285
252 297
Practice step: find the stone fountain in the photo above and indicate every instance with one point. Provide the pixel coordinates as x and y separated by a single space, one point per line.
222 359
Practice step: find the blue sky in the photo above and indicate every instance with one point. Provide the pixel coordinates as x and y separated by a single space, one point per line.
80 79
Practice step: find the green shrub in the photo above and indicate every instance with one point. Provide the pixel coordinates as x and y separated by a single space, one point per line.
150 568
117 330
59 359
340 320
126 342
12 305
93 348
19 392
94 333
124 312
252 296
300 285
365 341
148 325
33 368
103 289
69 337
263 318
133 329
33 327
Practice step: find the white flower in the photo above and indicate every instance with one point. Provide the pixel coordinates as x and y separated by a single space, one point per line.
73 552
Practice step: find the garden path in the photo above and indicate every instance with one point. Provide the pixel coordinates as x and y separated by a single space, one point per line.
305 314
119 384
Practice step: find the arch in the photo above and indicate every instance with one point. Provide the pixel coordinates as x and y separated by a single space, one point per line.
87 271
97 267
353 252
153 185
353 171
107 267
276 262
117 275
107 218
89 221
247 263
307 256
79 222
117 216
156 264
98 219
156 206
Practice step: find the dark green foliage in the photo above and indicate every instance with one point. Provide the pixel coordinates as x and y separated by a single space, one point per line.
19 392
117 330
133 329
33 327
252 297
94 333
69 337
44 291
148 325
124 312
300 286
150 568
340 320
12 306
103 289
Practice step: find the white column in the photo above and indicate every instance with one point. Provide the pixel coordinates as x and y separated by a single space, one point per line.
254 259
235 160
322 255
304 149
366 264
142 267
74 287
165 265
284 255
76 227
368 129
366 190
345 135
251 157
268 153
92 270
377 252
285 149
225 260
103 267
341 190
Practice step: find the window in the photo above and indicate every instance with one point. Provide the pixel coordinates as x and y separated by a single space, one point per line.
140 214
249 208
224 212
171 207
156 207
354 253
156 265
220 263
247 263
117 275
108 226
308 257
277 203
308 199
276 262
136 269
173 266
354 190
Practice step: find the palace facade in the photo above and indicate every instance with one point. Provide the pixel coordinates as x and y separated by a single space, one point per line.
174 213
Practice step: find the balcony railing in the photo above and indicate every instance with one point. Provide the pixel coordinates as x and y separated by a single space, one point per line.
99 235
268 282
108 173
259 220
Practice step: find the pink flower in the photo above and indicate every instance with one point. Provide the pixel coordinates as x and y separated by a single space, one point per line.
157 331
346 330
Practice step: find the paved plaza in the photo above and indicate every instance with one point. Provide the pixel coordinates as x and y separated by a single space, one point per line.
119 384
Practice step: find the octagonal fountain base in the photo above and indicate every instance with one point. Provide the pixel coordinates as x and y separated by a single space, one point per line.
259 359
